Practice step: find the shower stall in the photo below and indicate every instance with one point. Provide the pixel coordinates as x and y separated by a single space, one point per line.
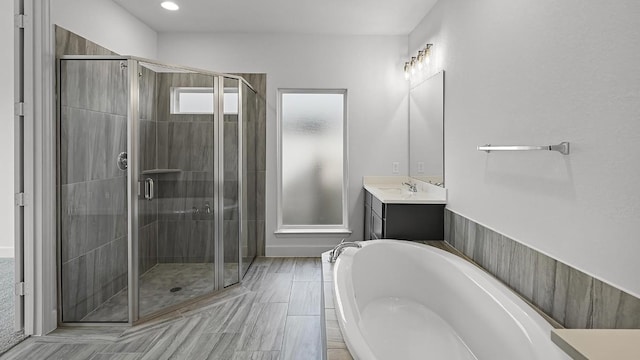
152 190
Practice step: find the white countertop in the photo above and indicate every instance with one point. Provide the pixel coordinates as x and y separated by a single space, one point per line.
390 190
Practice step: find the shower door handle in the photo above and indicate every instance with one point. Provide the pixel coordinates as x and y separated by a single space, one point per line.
148 189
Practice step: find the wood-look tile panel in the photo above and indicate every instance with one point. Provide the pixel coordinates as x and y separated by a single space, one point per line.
214 347
282 265
305 298
102 356
264 328
257 355
231 325
302 338
307 269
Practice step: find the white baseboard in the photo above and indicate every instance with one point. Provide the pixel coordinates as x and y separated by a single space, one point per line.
7 252
302 251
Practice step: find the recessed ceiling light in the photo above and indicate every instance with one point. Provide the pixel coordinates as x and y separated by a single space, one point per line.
170 5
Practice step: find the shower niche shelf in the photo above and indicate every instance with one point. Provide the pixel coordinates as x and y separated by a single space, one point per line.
160 171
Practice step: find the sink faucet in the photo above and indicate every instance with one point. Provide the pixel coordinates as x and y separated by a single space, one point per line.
412 187
338 249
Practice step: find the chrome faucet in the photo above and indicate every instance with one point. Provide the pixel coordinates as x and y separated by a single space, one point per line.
412 187
338 249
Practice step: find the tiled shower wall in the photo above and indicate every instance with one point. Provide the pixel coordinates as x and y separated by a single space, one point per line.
571 297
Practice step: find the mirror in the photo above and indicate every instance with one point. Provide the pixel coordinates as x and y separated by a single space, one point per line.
426 130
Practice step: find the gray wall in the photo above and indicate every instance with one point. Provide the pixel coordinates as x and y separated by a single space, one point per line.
526 80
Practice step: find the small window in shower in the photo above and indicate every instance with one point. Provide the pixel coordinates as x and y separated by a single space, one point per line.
312 171
199 100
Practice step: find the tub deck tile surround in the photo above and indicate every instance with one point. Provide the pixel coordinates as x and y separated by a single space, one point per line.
250 321
336 349
571 297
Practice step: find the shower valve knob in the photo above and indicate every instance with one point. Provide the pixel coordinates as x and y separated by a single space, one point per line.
122 161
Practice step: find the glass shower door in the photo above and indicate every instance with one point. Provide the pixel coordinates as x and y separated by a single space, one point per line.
176 253
92 182
232 181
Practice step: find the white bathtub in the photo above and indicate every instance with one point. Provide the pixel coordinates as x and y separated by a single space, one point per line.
402 300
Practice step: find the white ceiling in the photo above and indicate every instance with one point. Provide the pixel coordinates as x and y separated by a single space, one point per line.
357 17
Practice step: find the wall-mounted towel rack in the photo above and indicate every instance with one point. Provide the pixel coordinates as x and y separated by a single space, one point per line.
562 148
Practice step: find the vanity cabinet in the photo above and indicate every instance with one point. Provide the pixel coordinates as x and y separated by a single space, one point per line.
402 221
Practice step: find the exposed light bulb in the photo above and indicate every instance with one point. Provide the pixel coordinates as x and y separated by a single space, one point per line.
407 71
420 59
413 65
170 5
427 53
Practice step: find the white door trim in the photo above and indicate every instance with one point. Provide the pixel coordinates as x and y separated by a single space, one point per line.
39 170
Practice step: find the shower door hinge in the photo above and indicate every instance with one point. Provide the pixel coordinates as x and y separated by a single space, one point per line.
19 290
21 199
19 109
20 21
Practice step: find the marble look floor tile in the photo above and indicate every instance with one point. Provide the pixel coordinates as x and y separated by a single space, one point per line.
102 356
85 334
307 269
257 355
264 328
229 317
214 347
59 352
233 324
305 298
302 339
282 265
229 294
135 344
262 261
177 341
274 287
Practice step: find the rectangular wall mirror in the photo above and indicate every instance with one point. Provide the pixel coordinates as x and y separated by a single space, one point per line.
426 130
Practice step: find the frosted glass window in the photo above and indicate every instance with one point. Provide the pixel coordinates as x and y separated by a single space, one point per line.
199 100
312 158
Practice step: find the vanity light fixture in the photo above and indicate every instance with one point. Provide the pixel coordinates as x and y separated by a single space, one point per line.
417 62
170 5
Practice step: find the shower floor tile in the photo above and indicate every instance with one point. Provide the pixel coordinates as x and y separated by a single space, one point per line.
155 290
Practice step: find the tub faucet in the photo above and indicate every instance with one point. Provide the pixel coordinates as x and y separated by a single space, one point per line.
338 249
412 187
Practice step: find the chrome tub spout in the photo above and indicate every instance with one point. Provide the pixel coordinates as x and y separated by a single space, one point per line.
338 249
